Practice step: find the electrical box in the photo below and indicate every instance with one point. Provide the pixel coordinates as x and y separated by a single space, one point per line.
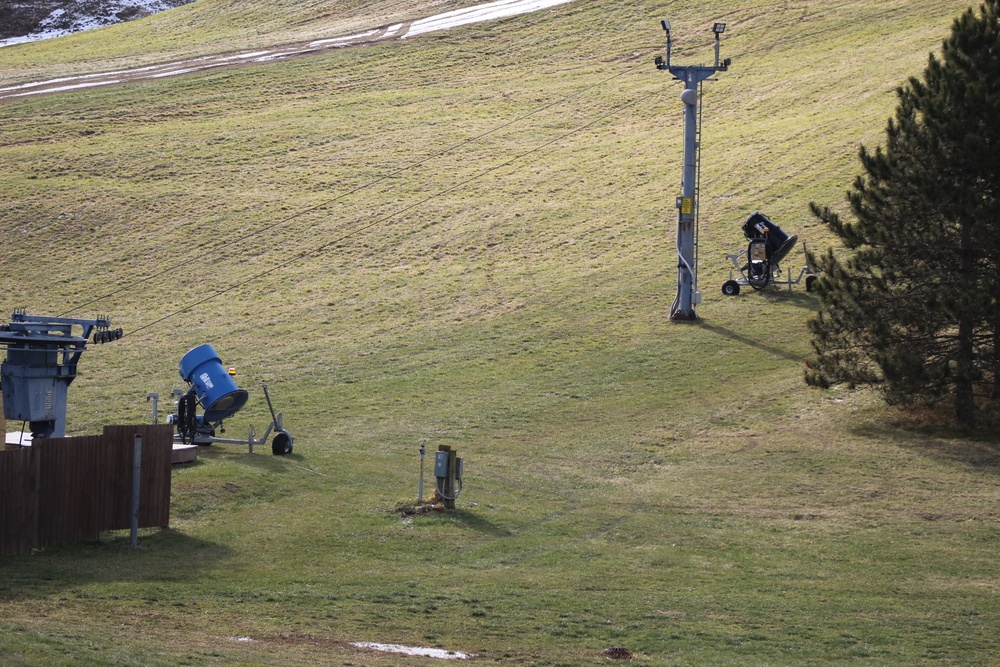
441 464
448 469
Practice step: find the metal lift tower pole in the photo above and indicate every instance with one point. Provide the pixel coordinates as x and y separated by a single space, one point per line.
687 204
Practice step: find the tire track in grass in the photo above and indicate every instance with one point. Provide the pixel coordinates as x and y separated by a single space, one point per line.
476 14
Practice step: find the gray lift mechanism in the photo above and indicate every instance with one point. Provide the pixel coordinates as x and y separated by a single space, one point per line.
42 355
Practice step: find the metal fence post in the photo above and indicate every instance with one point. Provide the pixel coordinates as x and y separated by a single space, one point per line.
136 474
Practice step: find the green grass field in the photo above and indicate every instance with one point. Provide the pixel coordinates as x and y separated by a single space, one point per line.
466 238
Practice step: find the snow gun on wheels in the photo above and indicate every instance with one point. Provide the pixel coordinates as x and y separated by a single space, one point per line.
213 389
758 265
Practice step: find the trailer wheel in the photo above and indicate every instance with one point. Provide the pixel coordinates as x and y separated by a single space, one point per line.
281 444
730 288
810 281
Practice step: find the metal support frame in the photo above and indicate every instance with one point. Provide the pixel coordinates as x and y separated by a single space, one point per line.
778 278
204 434
683 307
42 357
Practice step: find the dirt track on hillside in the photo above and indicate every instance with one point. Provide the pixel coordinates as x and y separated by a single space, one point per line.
199 64
490 11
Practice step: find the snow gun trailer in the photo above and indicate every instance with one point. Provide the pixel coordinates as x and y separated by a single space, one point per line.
757 265
212 388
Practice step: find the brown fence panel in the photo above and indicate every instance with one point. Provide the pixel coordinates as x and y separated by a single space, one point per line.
68 495
67 490
154 484
18 501
115 483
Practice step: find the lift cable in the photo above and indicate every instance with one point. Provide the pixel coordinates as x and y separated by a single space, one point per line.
372 183
364 186
318 249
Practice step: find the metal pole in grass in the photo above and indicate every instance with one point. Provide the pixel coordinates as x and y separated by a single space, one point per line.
420 481
688 295
136 470
450 485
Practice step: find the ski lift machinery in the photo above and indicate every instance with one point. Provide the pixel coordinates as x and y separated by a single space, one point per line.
758 265
42 357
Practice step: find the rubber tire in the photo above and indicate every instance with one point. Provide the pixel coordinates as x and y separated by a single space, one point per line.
810 281
730 288
281 444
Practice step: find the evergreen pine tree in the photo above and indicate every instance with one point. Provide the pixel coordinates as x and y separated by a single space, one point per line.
914 306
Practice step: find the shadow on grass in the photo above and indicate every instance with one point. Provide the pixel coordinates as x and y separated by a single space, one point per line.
750 342
463 517
162 555
975 454
979 450
261 458
479 523
799 299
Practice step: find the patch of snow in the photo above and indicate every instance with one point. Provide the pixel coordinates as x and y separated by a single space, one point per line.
74 78
240 56
490 11
17 438
73 87
176 72
413 650
333 40
487 12
474 14
284 54
90 14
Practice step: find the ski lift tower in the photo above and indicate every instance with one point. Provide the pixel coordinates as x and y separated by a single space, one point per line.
688 295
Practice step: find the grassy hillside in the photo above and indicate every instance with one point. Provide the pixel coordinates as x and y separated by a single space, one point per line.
466 238
207 27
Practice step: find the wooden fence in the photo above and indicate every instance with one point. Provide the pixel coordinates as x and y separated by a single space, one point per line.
67 490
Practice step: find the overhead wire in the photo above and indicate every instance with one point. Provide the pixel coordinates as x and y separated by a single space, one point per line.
417 163
385 218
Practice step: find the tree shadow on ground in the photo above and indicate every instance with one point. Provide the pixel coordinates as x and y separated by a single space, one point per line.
933 436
